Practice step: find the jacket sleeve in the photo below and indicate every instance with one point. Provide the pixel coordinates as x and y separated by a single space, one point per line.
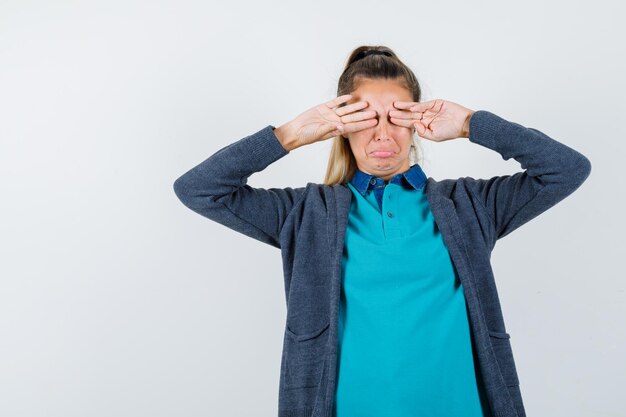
217 188
552 171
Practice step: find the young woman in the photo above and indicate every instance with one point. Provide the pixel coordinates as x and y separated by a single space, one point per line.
392 306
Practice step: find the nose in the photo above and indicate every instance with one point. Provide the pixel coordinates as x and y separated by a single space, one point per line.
381 130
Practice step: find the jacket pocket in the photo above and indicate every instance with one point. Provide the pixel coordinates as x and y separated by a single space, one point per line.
501 343
305 355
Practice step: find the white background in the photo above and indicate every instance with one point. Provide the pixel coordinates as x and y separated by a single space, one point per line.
117 300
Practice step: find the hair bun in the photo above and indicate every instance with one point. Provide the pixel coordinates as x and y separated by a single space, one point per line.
363 54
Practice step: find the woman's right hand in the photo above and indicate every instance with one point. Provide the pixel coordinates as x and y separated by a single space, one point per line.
325 121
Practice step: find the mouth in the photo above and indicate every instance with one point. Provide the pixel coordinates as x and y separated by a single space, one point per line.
381 154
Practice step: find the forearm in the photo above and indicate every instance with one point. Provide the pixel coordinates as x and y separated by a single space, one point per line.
217 188
539 154
228 168
552 171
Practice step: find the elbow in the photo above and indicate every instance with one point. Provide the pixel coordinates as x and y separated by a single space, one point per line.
196 199
575 174
182 191
581 170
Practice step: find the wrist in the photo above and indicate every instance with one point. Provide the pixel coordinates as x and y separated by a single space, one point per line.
285 137
466 125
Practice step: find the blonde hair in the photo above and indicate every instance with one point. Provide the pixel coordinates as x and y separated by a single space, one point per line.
341 162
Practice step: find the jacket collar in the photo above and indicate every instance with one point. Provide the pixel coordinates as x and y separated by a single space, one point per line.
413 177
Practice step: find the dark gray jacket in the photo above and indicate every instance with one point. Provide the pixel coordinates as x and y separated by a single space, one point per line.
308 225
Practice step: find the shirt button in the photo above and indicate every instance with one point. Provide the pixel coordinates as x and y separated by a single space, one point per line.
390 214
373 181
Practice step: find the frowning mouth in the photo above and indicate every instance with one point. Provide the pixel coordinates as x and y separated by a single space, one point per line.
381 154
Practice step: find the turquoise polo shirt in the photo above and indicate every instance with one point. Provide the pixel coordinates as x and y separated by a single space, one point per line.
405 346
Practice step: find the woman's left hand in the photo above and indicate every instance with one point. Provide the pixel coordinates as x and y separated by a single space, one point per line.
436 120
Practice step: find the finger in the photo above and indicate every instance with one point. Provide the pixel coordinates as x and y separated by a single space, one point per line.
360 125
421 130
358 116
416 106
351 108
426 105
331 129
403 114
338 100
403 122
405 105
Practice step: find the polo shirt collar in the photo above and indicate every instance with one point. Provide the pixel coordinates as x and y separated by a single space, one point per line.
414 177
